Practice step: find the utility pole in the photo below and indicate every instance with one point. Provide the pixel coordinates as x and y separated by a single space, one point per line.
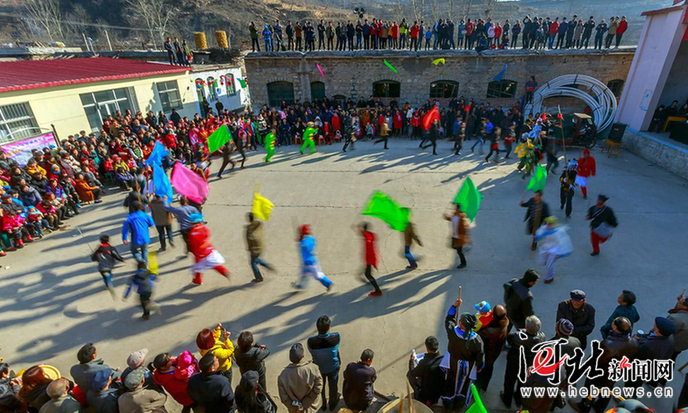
108 39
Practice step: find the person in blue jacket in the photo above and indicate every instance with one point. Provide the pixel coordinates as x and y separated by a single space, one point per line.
137 223
310 264
325 351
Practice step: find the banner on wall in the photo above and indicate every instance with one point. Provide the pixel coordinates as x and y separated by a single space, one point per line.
21 150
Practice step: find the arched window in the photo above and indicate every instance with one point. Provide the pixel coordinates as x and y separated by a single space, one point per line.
386 89
200 90
280 91
444 89
340 99
229 84
212 93
616 86
317 91
501 89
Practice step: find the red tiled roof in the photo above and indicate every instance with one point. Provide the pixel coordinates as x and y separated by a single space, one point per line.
33 74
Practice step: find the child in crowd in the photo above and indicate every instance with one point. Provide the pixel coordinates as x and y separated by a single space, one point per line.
106 255
36 222
124 179
144 282
484 315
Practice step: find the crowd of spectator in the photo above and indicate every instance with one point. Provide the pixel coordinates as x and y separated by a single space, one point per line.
536 33
206 381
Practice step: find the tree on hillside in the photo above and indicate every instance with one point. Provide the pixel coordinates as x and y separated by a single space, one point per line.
45 14
490 6
418 9
155 14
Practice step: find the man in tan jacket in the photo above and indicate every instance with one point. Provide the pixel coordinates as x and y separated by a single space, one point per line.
140 399
300 383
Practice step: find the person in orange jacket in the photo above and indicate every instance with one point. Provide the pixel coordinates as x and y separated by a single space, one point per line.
586 168
207 257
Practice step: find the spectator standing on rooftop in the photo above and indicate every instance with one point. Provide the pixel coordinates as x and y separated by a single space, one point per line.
169 48
623 26
611 32
254 37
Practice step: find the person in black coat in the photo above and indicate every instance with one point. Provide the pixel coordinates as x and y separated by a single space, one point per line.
580 313
427 377
519 299
602 222
210 389
537 211
527 338
493 336
251 356
658 344
466 351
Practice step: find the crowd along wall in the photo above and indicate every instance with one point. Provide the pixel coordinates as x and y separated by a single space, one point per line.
353 74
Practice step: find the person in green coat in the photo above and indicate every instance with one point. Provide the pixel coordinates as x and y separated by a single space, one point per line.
270 144
308 138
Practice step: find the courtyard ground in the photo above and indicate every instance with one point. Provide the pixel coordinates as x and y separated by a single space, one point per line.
52 299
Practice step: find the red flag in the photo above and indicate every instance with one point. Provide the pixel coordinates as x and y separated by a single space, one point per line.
544 116
430 117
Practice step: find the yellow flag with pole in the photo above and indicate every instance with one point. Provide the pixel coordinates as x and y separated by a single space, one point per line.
262 207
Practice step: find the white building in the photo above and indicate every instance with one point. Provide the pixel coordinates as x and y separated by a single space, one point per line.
220 83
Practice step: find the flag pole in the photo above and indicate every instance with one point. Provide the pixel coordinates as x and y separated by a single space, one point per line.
563 139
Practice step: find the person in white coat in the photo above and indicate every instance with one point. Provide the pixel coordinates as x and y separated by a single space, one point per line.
554 243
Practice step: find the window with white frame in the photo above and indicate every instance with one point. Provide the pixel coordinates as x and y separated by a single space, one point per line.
17 122
98 105
231 87
169 95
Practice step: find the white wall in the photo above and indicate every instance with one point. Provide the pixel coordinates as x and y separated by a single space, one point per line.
659 43
240 100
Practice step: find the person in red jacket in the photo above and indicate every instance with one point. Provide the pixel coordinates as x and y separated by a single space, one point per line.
415 125
335 123
623 26
414 36
206 255
370 256
586 168
397 123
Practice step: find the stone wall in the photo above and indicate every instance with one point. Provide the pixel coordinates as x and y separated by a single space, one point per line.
352 74
665 152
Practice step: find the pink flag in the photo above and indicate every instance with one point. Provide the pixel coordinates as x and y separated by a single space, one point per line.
193 136
188 183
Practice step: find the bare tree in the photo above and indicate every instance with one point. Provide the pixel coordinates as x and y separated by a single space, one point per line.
418 9
451 10
47 16
466 8
155 14
490 6
435 10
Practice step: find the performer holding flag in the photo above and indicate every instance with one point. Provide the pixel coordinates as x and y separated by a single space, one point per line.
586 167
207 257
370 255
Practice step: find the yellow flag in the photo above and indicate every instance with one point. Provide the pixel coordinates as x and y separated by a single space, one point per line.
152 262
262 207
438 61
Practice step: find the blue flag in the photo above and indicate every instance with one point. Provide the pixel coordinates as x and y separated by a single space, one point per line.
163 187
501 74
157 155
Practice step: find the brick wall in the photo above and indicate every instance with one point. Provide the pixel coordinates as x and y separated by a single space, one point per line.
352 74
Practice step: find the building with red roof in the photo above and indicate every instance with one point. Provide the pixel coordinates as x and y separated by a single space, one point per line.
69 95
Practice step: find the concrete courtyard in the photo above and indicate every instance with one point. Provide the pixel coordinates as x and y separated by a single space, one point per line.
52 299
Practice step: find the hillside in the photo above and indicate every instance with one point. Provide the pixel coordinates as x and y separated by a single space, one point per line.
92 18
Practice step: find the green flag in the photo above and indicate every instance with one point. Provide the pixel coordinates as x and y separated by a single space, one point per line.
220 137
538 180
388 210
242 82
469 198
477 406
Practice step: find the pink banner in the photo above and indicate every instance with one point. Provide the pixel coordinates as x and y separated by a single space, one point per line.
189 184
20 151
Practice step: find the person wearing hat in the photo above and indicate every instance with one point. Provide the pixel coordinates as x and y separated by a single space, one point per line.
144 282
658 344
138 398
101 396
679 316
300 383
585 167
464 358
308 138
525 338
310 264
60 399
206 256
625 309
563 329
519 299
602 223
493 335
616 345
136 361
580 313
554 243
567 188
359 379
426 376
